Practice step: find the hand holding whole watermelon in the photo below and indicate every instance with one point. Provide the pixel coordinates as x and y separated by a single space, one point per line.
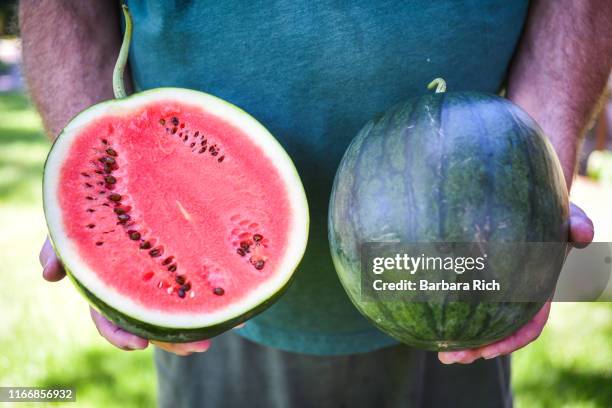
451 167
580 234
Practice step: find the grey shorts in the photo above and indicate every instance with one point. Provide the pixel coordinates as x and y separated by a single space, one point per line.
238 373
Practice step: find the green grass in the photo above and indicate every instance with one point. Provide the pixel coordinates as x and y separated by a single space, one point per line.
571 363
47 339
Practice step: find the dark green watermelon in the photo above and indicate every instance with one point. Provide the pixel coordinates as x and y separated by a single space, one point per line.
447 167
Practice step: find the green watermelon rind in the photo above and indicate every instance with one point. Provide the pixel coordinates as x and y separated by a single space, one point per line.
169 334
416 323
437 344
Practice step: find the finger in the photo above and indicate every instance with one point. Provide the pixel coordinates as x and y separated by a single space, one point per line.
52 267
183 349
240 326
461 357
525 335
581 227
116 335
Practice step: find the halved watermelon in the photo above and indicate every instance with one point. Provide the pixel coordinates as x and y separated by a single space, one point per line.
177 214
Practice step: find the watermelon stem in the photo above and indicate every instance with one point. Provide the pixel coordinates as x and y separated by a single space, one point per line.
118 84
439 84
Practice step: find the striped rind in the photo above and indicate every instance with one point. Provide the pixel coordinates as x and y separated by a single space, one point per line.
457 167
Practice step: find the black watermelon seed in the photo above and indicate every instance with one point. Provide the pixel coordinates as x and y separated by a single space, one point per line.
181 293
104 141
186 287
174 130
162 122
257 237
167 260
245 245
85 174
175 121
145 245
123 218
241 252
119 210
220 159
218 291
107 160
110 179
172 268
115 197
91 226
192 145
214 153
180 279
197 133
202 150
111 152
155 252
88 185
99 243
259 265
134 235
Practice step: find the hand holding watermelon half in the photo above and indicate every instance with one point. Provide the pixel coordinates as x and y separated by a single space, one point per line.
177 215
451 167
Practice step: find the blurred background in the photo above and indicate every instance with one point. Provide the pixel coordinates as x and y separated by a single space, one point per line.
47 338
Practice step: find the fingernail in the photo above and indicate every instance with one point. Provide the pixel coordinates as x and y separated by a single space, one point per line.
137 344
489 356
585 222
451 357
200 346
44 271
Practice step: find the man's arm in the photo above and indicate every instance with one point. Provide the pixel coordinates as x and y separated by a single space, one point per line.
69 51
558 76
561 68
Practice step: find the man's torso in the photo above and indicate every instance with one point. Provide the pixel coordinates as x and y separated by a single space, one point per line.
313 73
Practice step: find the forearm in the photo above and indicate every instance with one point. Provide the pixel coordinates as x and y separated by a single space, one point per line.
560 70
69 51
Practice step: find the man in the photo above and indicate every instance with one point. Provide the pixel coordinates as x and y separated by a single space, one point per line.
314 73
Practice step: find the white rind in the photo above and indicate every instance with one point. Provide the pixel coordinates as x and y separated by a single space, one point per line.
249 126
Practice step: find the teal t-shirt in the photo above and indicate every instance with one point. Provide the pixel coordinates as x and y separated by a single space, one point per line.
314 72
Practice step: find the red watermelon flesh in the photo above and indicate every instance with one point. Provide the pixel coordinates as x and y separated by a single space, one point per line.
176 214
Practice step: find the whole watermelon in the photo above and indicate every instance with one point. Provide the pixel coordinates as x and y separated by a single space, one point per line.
447 167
